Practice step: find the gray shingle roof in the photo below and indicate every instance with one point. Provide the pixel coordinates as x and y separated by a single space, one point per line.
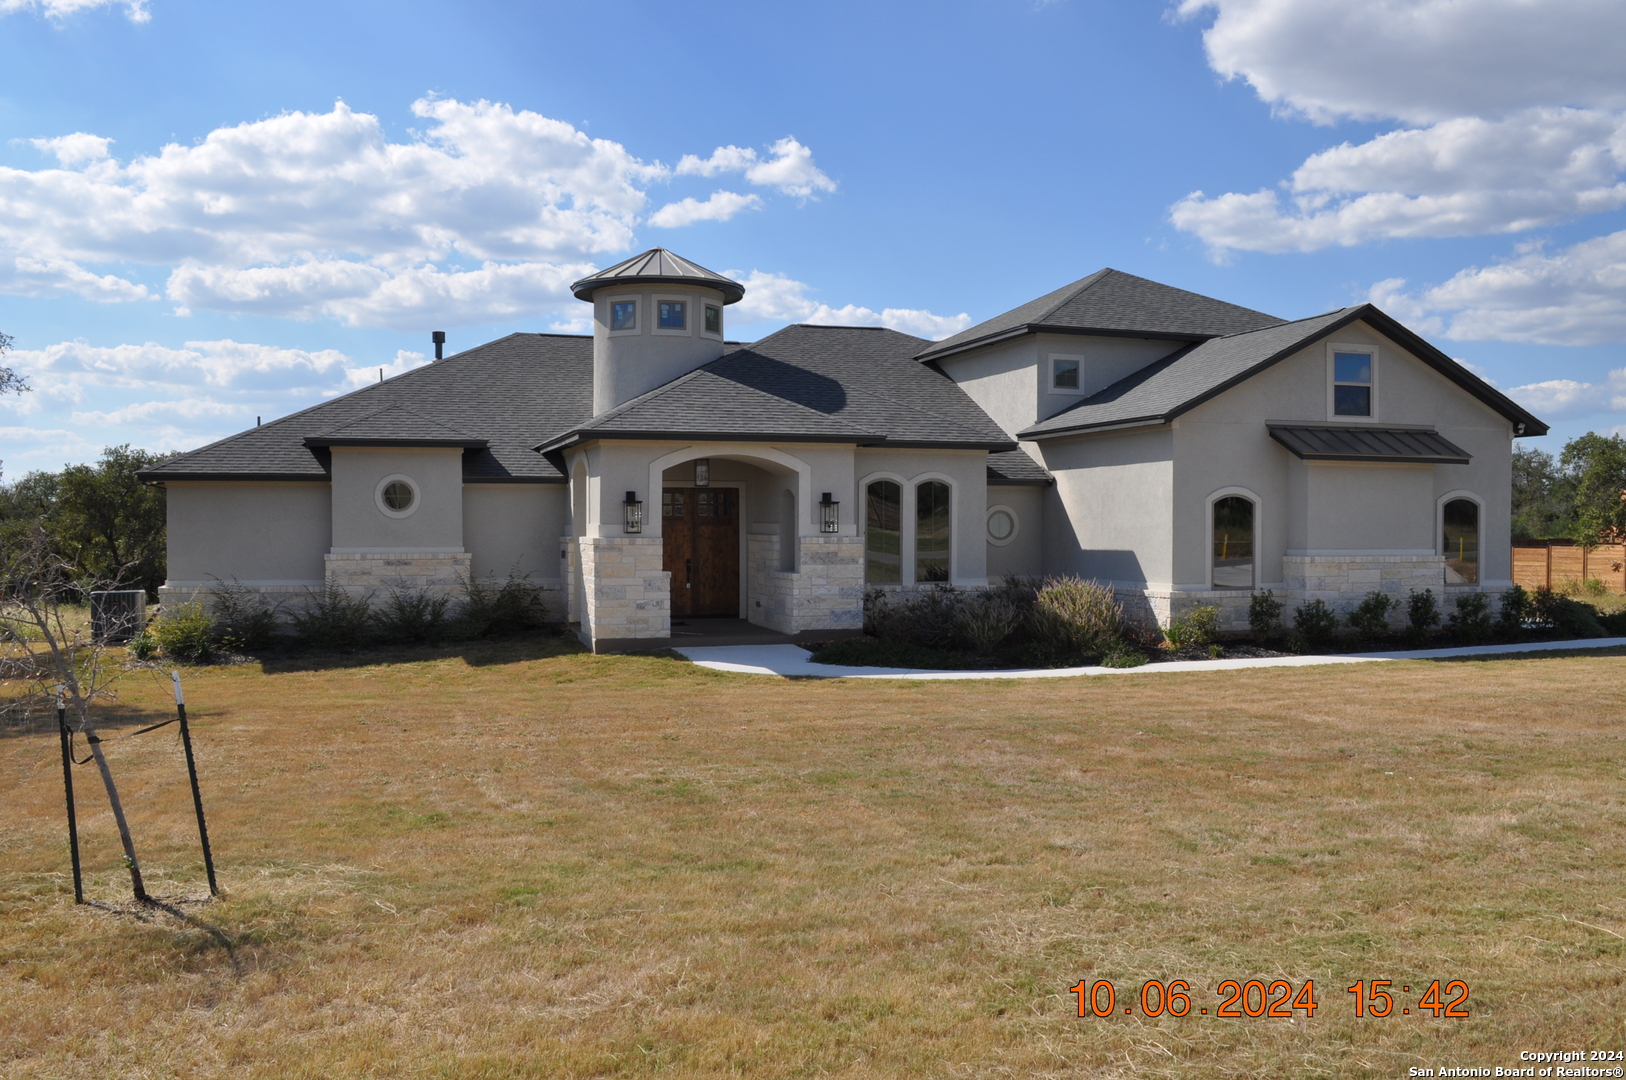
1015 467
509 392
395 425
1163 390
1112 302
654 267
1357 442
832 383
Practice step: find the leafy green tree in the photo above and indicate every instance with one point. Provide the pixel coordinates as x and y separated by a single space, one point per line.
1543 496
109 523
10 381
1597 465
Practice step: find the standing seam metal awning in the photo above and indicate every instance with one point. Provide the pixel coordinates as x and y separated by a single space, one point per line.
1417 446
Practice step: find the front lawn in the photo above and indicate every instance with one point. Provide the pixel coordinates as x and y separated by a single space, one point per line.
518 860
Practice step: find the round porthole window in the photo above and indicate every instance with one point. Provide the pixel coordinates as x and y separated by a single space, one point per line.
397 496
1001 525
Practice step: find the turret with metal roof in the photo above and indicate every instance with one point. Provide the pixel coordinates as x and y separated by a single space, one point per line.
656 317
657 266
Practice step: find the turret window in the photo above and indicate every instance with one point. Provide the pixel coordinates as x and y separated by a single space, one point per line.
674 315
624 315
714 319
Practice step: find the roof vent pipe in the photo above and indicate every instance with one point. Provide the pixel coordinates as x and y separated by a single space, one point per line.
439 338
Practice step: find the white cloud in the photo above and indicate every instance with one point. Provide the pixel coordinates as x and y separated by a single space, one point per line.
723 159
1420 61
76 149
152 413
487 214
1458 178
58 10
776 298
356 378
1575 296
790 169
1561 399
720 207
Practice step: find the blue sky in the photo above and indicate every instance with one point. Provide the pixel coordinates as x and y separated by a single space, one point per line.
214 212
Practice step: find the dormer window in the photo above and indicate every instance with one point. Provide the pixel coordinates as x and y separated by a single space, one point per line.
714 319
1066 374
674 315
1352 382
624 315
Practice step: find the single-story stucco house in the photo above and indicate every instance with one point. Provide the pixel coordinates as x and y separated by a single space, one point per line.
1184 449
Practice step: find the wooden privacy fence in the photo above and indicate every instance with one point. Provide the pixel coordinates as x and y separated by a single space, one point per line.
1555 562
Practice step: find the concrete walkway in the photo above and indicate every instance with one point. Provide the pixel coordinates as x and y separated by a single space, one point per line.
792 661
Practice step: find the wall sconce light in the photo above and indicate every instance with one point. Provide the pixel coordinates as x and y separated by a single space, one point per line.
829 515
702 472
632 514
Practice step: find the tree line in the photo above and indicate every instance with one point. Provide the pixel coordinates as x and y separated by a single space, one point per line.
1579 495
99 520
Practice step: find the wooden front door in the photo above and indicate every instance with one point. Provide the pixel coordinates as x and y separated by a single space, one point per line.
700 530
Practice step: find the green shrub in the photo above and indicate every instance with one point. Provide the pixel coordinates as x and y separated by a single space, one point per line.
864 652
184 632
514 607
1196 629
1471 621
1371 616
1573 619
1422 611
242 619
1081 618
985 620
1315 621
1264 614
1543 609
1614 622
333 619
1123 655
144 646
1514 610
412 616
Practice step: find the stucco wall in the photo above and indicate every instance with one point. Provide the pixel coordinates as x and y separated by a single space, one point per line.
1024 554
360 525
626 364
515 527
966 472
1011 380
1332 508
262 533
1109 515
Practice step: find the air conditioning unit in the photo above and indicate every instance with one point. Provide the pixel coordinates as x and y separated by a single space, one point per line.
117 615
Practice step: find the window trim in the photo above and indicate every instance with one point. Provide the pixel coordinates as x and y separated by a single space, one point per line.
1050 375
637 314
1258 538
655 316
384 507
1016 524
906 530
1439 531
1333 349
704 306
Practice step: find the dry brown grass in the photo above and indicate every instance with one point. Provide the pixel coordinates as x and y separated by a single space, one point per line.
506 863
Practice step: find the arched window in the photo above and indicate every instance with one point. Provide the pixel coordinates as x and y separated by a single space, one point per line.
883 535
1233 542
932 531
1461 521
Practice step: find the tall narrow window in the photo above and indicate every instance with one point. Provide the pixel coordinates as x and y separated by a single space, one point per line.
932 531
1233 543
714 319
883 535
1461 520
1352 384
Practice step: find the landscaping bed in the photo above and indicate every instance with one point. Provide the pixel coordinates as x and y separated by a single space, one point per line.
1067 622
